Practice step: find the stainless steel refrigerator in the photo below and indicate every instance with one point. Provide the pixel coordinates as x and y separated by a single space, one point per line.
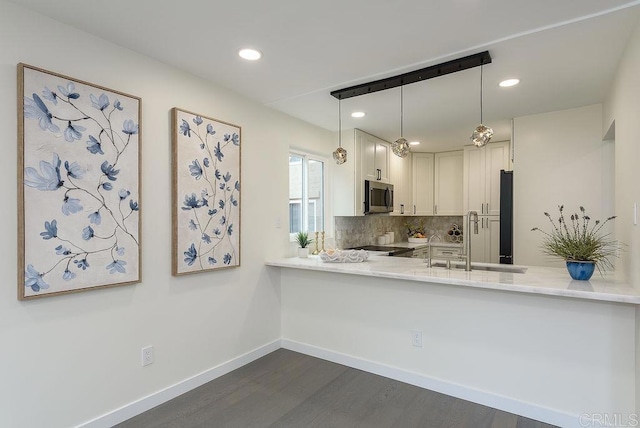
506 217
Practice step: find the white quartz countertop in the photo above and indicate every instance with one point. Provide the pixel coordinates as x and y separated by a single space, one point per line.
536 280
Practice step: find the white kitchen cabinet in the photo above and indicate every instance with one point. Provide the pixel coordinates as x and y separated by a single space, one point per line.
422 183
485 246
368 158
420 252
481 185
375 157
400 175
448 188
445 252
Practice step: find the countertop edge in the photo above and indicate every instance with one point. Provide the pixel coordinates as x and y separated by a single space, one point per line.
343 268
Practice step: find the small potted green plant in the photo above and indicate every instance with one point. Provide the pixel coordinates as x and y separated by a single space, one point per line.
303 240
580 242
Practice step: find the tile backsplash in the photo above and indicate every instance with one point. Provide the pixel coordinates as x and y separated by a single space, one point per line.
354 231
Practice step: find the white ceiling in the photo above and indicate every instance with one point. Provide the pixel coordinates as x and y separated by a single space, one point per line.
565 53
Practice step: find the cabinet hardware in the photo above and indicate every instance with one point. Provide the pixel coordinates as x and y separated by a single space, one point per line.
482 207
401 208
487 207
483 222
414 209
379 174
435 209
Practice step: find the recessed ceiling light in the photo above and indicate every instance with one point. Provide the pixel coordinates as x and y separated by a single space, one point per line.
358 114
250 54
509 82
414 143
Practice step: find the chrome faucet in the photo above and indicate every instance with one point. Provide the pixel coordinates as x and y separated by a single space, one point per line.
467 238
427 258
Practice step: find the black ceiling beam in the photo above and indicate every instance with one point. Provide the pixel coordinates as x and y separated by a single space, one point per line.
438 70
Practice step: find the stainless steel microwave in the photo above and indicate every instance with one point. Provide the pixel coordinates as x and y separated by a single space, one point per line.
378 197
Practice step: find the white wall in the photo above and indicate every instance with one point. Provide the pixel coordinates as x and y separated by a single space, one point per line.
557 356
560 159
68 359
623 108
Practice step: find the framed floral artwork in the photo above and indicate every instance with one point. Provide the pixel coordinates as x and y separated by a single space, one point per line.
206 193
78 185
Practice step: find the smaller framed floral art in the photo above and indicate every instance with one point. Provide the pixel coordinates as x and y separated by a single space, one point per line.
206 193
78 186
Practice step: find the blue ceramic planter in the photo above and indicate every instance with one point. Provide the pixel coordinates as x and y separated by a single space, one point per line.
581 271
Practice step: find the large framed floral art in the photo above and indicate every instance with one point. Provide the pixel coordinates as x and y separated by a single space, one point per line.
78 185
206 193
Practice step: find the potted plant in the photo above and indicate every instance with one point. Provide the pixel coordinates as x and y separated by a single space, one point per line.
581 243
415 231
303 240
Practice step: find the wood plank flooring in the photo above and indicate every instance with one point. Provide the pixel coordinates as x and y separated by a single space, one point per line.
287 389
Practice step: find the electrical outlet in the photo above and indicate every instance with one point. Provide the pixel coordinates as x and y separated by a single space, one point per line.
147 356
416 338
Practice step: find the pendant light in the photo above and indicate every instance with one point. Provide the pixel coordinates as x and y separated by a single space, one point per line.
482 134
340 154
400 147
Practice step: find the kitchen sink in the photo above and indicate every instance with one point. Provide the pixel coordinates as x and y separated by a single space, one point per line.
493 267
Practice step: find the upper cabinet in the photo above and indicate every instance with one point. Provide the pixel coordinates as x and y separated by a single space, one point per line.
374 157
368 158
400 176
448 186
422 183
482 167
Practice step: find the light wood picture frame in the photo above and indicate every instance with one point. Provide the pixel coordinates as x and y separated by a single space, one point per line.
206 193
79 185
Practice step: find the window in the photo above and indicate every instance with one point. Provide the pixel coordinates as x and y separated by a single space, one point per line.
306 193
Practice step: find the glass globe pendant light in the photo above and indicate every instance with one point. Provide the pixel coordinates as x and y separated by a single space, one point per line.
482 134
340 154
401 147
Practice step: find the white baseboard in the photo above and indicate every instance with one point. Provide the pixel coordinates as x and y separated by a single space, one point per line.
152 400
507 404
496 401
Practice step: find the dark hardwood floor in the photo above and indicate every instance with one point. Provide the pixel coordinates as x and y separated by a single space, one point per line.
288 389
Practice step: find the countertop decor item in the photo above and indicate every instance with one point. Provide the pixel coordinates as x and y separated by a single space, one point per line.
580 242
344 256
316 251
303 240
454 234
415 229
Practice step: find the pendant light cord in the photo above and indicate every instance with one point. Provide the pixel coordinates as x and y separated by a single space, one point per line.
339 122
481 84
401 110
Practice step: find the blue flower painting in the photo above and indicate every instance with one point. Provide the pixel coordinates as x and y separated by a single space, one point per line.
206 211
80 143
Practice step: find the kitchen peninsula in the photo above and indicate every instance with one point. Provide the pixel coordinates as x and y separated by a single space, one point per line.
536 344
534 280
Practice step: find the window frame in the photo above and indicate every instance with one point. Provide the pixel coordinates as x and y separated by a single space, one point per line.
306 156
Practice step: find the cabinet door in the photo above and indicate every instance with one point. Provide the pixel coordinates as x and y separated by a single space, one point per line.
496 159
382 159
473 176
367 147
478 241
422 173
448 183
400 177
492 241
374 157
